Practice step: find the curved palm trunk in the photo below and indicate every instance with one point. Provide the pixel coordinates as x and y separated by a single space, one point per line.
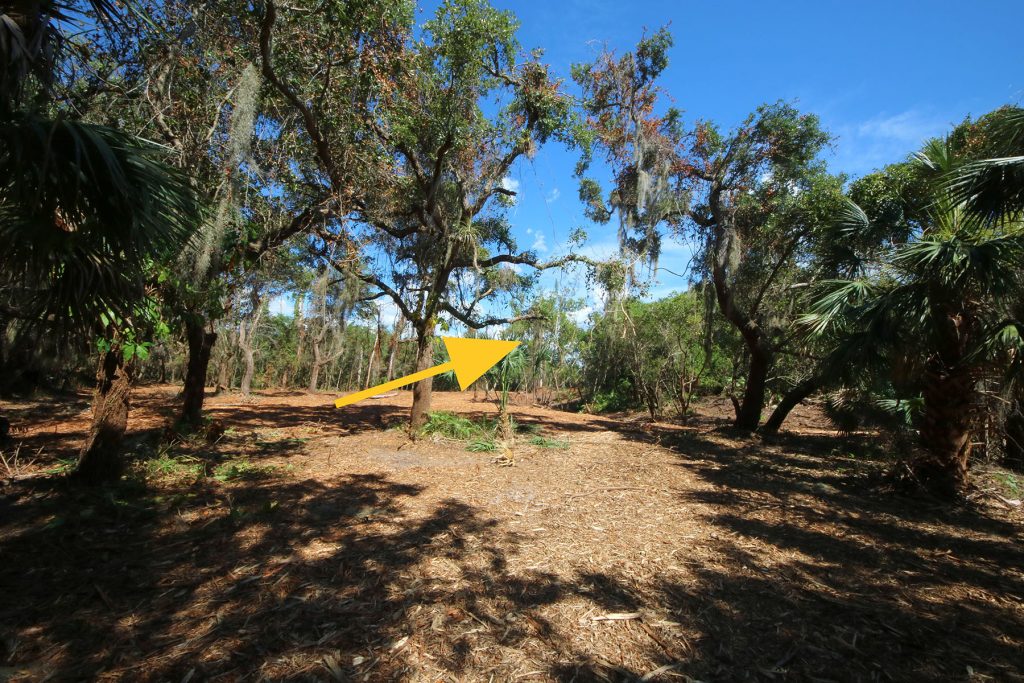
422 390
100 458
945 430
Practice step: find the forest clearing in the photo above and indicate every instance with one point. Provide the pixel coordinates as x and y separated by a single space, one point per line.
507 340
618 549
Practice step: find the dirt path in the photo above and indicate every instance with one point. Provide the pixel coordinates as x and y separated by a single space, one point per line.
342 551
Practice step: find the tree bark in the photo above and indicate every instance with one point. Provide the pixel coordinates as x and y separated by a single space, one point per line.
748 417
393 348
374 352
249 358
314 371
247 330
792 399
421 391
945 431
222 375
200 346
100 458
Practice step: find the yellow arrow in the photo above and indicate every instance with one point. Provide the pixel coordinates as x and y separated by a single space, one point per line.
470 358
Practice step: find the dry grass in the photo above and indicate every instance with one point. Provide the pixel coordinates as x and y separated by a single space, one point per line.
342 551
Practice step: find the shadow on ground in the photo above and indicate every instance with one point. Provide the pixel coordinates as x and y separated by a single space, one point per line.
814 573
280 579
809 572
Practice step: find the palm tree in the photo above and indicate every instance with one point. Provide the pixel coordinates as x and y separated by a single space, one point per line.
993 188
85 210
933 307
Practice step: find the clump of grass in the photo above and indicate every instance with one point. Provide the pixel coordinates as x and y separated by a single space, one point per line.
526 428
481 435
1009 481
241 469
482 446
451 426
174 466
544 442
63 466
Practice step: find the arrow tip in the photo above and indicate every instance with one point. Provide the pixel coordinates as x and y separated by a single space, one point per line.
471 358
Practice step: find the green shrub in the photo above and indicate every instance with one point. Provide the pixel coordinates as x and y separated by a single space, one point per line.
451 426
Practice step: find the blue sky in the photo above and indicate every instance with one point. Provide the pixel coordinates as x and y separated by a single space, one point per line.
882 76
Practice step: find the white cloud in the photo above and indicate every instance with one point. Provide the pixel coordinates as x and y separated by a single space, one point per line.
539 243
510 184
389 312
581 316
911 126
553 196
281 305
883 139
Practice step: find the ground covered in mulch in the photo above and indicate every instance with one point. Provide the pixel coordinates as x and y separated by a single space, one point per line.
308 543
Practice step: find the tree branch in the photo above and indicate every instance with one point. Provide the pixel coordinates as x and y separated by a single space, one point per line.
478 324
312 125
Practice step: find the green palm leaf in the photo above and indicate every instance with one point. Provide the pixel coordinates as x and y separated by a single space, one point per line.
84 209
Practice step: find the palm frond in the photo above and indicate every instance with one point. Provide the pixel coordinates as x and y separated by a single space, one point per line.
994 188
985 263
83 210
991 188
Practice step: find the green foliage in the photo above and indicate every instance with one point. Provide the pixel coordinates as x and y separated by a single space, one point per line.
480 436
656 354
84 211
544 442
451 426
482 446
933 314
165 464
642 147
242 469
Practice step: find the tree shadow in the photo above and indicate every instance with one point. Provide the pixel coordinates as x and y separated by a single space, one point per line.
814 571
275 579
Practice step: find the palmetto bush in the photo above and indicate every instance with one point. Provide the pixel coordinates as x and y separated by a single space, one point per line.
933 313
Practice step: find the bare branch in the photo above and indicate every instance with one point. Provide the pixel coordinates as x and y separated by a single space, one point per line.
478 324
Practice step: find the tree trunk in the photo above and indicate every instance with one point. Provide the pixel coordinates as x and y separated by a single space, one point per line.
247 330
100 457
374 352
314 371
421 391
222 375
249 356
946 431
200 346
1013 447
792 399
393 350
748 414
748 417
